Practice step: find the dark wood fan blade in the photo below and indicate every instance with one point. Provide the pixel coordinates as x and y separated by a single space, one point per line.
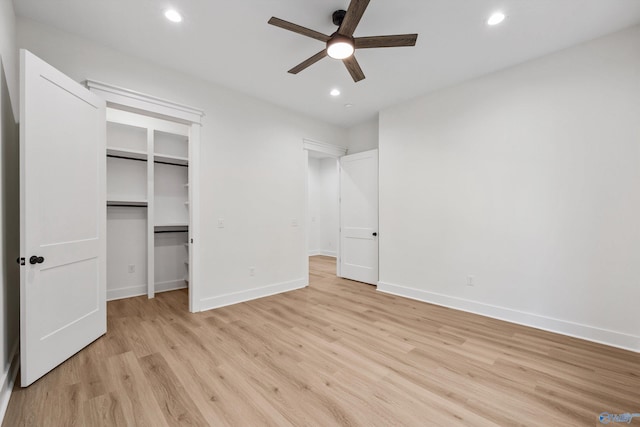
352 18
386 41
307 63
298 29
354 68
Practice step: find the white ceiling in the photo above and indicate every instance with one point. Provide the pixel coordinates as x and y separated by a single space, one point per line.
230 42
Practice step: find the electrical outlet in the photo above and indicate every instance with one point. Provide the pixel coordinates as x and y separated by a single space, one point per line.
470 281
252 271
220 222
294 222
132 268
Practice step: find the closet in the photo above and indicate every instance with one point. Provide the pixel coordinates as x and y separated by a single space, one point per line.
150 220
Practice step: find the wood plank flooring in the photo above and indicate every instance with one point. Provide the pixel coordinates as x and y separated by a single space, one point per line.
335 353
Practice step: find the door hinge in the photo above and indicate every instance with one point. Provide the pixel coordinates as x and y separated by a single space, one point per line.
191 240
21 261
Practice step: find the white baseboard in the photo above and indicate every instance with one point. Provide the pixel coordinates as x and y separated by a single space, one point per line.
131 291
332 254
170 286
138 290
576 330
8 380
249 294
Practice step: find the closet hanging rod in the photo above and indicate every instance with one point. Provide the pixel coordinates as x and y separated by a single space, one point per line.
169 163
126 158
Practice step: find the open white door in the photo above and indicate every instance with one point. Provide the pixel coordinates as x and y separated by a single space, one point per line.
63 217
359 217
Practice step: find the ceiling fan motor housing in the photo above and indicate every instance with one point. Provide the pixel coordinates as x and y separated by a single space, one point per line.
338 16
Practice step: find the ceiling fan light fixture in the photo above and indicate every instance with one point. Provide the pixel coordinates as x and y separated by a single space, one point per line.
340 47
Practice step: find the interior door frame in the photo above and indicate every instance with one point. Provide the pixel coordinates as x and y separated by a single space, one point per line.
129 100
328 150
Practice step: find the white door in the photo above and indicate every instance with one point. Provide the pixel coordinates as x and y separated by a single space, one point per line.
359 217
63 217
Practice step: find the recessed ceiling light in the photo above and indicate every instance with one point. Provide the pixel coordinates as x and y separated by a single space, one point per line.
173 15
334 92
496 18
348 105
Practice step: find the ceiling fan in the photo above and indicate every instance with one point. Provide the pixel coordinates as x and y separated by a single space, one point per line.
342 44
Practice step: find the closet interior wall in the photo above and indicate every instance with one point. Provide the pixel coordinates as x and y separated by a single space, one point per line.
147 205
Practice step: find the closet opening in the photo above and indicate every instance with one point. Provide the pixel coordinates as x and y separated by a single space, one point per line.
147 205
152 223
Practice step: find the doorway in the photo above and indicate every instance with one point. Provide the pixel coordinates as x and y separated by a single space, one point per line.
342 209
152 149
322 201
323 194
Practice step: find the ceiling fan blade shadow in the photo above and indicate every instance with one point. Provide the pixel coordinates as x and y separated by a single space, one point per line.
354 68
298 29
352 18
398 40
308 62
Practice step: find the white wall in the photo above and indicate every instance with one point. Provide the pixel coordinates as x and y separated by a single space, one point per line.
252 166
363 137
9 222
8 51
528 180
323 206
329 207
313 192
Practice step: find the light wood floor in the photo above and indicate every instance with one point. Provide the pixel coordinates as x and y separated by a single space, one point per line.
335 353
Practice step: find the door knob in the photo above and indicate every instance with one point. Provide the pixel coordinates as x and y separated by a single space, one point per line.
375 234
36 260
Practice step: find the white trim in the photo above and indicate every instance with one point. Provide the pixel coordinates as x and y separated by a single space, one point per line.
139 290
195 283
250 294
8 380
564 327
320 252
132 99
124 117
151 213
171 285
323 147
339 242
305 211
128 292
